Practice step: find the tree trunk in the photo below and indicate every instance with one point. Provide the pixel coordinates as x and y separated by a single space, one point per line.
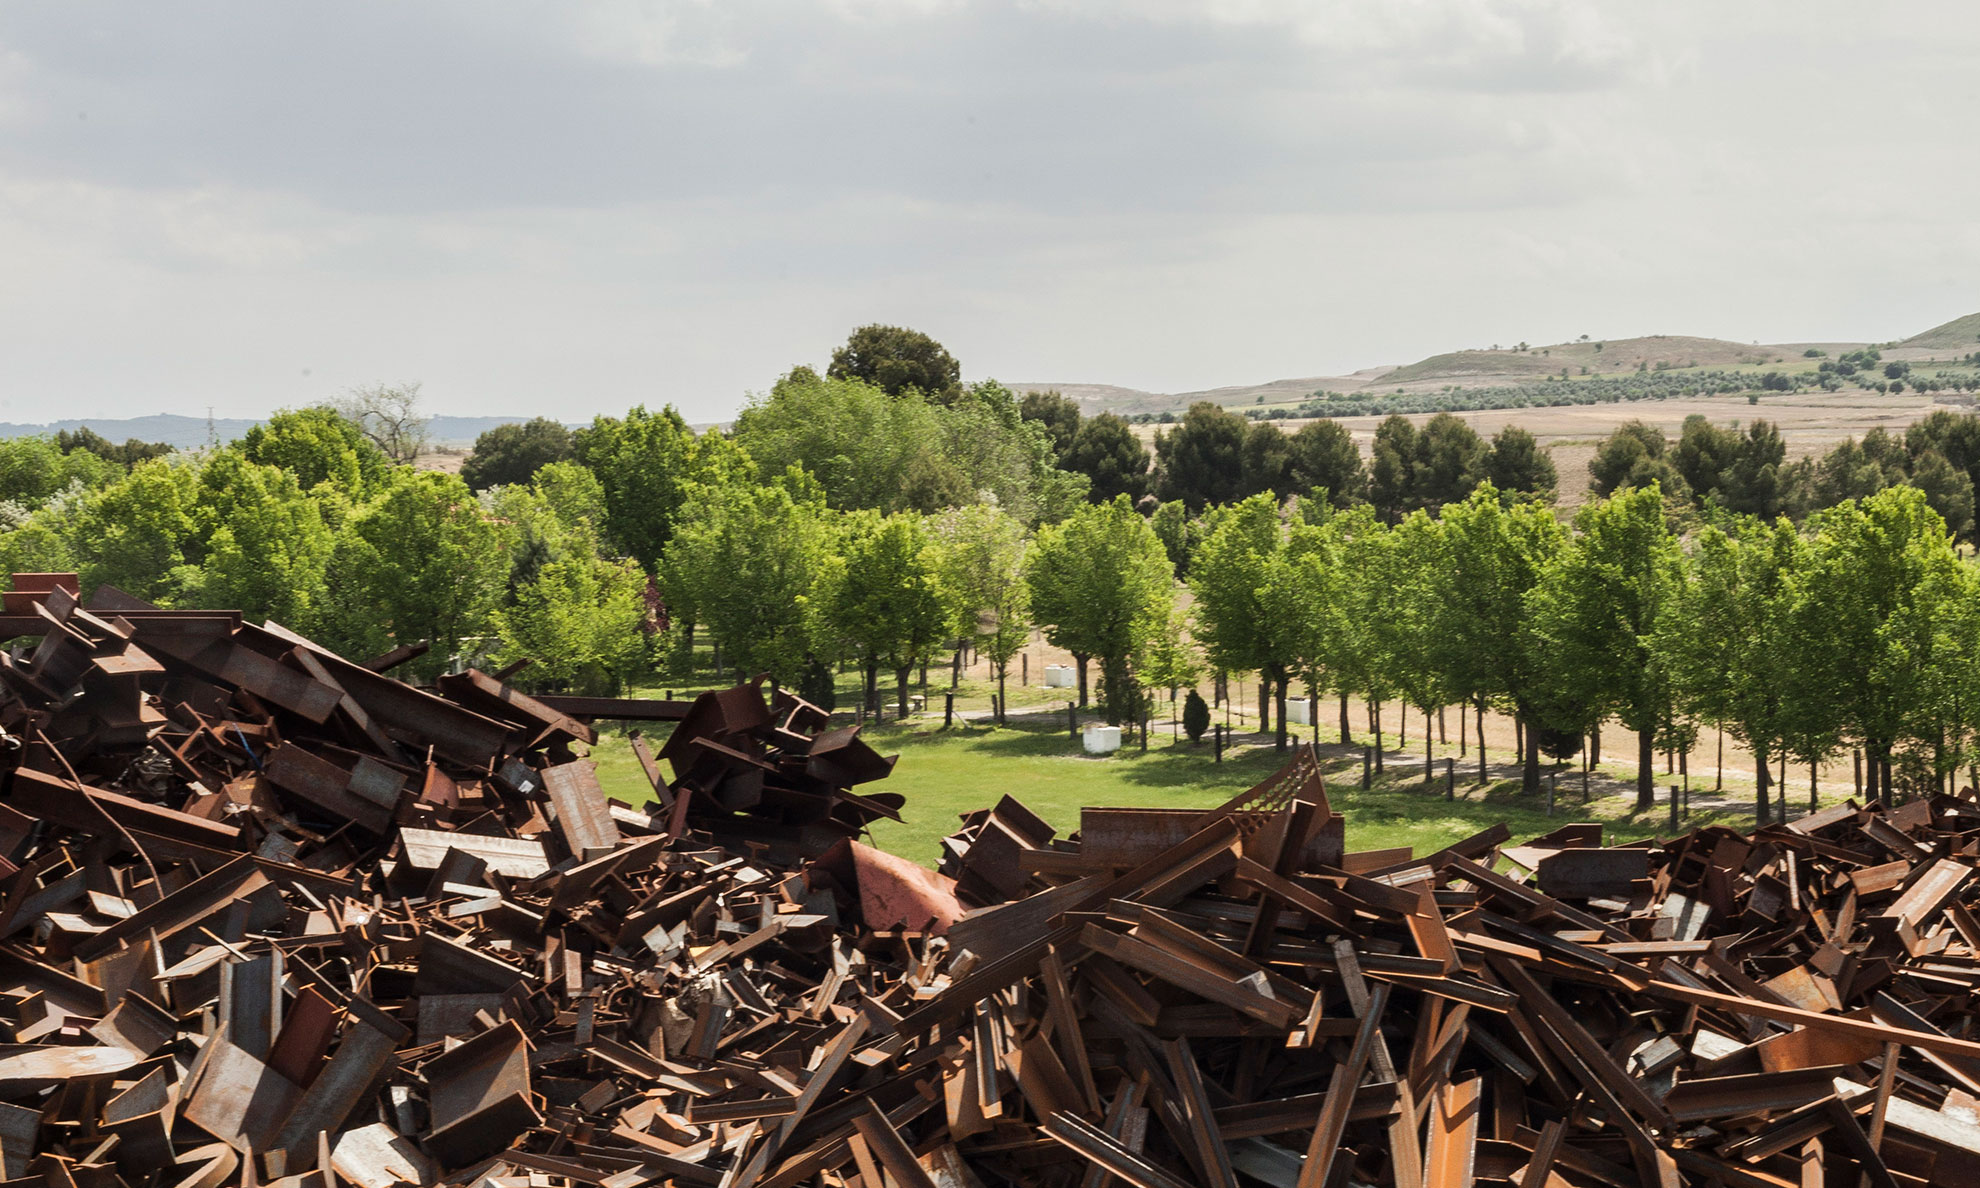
1264 707
1529 769
1377 710
1080 661
1464 733
1001 670
1595 745
955 667
901 676
1428 742
1279 743
687 638
1519 736
1482 776
1646 769
870 702
1761 777
1443 733
1347 736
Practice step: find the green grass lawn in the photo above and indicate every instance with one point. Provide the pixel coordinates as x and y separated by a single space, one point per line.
943 774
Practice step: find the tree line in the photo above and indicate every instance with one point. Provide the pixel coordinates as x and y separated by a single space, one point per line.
885 515
1719 468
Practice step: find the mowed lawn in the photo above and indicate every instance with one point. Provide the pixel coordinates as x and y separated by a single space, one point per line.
946 773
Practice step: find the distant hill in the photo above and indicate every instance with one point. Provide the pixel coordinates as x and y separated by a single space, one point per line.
191 432
1960 334
1502 366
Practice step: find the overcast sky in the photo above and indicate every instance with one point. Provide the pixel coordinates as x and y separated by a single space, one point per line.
570 208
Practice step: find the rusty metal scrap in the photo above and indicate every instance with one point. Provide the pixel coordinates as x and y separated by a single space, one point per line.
271 917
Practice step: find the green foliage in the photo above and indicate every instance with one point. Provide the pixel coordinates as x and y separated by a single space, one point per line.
135 533
645 465
1267 461
1201 460
745 561
1884 623
1195 716
1517 465
1731 643
882 595
1597 610
514 452
1178 532
1424 469
1112 458
421 562
898 360
126 455
35 469
1481 636
1058 415
318 446
873 451
1633 456
1323 457
580 620
979 557
266 545
1100 581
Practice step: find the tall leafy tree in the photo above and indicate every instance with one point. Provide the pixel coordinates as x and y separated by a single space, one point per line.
1098 580
1494 556
1392 469
1112 458
641 461
514 452
1362 660
896 359
423 561
1267 460
1324 458
883 594
1450 460
1882 618
580 621
748 558
1636 455
979 551
136 533
318 445
1229 582
1201 460
1058 415
1405 563
267 544
1730 644
1516 464
34 469
1597 611
1303 590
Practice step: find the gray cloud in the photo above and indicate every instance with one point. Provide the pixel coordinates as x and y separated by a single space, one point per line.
524 203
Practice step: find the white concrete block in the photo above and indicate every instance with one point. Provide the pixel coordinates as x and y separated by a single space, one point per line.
1102 740
1061 676
1299 711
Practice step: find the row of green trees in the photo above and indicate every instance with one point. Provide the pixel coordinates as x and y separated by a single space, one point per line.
1746 471
1859 629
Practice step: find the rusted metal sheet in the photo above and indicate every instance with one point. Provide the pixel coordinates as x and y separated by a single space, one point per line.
581 812
480 1095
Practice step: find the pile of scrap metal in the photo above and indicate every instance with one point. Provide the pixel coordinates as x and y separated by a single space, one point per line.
270 917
